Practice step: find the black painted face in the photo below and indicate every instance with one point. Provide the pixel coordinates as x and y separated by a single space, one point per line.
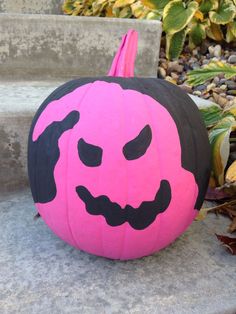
91 155
138 218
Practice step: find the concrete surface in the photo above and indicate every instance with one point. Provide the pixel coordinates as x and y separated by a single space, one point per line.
18 104
55 46
31 6
41 274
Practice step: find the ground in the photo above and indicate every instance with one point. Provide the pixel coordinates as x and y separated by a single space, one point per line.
41 274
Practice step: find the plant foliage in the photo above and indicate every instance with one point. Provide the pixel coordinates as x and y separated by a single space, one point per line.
200 76
193 20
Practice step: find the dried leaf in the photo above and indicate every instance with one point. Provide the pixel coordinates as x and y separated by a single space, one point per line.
199 15
232 226
122 3
202 214
215 193
215 32
37 216
228 242
230 176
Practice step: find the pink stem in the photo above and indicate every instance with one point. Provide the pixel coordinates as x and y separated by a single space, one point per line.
123 63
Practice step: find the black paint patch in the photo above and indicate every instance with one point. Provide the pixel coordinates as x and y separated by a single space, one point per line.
138 146
138 218
43 156
89 154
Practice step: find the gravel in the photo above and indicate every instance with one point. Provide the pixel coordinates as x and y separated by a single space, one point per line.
219 89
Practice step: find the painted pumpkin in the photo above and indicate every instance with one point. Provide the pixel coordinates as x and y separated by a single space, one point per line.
118 166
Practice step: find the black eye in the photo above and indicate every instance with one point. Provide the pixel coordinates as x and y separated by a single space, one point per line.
138 146
89 154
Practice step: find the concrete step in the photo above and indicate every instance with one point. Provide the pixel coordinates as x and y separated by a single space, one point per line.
31 6
42 274
19 102
35 47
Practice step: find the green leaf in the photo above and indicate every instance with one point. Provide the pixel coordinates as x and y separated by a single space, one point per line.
175 43
224 14
155 4
177 15
197 33
154 15
211 115
229 37
200 76
207 5
220 145
233 27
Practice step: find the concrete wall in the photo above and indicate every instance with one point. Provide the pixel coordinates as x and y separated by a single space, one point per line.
13 149
53 46
31 6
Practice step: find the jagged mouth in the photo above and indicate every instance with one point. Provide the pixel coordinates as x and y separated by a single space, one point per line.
138 218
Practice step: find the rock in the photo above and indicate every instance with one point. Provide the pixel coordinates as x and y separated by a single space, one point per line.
204 48
211 86
161 72
231 92
197 93
226 53
193 60
205 61
223 87
222 95
171 80
216 80
211 51
164 65
217 90
230 97
200 88
217 51
195 52
162 54
195 65
186 88
174 76
230 84
174 66
222 80
182 78
221 75
220 100
206 96
186 66
232 59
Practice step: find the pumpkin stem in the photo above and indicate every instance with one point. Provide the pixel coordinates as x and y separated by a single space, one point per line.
123 63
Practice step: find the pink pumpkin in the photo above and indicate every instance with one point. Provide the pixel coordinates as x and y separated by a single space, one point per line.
118 166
